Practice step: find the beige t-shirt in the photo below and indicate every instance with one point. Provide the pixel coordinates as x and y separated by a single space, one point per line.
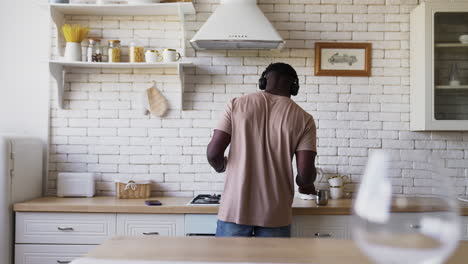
266 130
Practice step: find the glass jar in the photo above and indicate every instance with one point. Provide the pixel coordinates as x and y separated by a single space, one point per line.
136 53
114 51
94 50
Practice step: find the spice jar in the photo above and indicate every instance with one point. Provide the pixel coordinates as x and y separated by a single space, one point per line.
114 51
94 50
136 54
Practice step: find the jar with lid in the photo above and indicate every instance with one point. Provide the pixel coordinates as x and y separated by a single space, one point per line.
114 51
136 53
94 50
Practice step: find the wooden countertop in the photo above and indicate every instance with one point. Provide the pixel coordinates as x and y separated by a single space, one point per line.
147 250
178 205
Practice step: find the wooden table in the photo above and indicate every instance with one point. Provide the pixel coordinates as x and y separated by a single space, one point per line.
234 250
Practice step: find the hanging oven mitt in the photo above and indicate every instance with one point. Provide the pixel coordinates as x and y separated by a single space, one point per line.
154 102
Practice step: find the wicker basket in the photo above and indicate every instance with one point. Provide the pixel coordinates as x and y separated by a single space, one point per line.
132 190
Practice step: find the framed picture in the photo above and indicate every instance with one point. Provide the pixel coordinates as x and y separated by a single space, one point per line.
342 59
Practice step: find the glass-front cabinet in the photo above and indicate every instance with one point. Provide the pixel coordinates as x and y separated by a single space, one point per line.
439 66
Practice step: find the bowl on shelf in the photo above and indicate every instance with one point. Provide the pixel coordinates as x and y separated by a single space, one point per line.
463 39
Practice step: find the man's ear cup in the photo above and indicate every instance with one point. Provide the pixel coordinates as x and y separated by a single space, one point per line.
262 82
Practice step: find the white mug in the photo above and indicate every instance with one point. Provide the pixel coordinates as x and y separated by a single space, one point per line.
338 180
336 192
152 56
171 55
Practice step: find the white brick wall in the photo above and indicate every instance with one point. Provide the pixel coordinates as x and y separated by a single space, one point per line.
102 128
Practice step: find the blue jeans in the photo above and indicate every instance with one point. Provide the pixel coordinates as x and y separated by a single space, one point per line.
226 229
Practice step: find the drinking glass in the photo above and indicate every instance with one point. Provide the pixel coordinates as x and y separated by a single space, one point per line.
421 228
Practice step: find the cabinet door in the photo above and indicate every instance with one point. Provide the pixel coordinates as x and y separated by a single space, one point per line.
49 254
450 75
200 224
464 235
150 225
64 228
321 226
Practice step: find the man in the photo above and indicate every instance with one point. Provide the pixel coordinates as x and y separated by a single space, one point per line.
265 130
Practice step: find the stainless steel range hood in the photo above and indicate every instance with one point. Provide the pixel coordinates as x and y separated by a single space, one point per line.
237 24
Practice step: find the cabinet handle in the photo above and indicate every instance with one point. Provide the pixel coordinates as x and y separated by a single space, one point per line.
322 235
65 228
150 233
198 234
63 261
415 226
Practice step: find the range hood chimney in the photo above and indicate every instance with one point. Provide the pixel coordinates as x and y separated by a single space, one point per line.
237 24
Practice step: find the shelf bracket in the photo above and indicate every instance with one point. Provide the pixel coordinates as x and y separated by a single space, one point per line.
182 24
180 72
58 73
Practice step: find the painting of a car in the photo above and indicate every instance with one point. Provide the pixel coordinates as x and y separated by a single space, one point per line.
345 58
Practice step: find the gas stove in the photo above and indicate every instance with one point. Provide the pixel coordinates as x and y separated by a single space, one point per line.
206 199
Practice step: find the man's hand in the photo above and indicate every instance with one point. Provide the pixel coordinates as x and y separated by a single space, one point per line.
216 149
306 171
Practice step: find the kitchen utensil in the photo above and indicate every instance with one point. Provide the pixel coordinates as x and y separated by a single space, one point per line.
463 39
429 237
336 192
72 184
322 197
152 56
171 55
338 180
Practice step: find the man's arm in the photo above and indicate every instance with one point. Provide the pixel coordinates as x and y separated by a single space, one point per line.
306 171
216 148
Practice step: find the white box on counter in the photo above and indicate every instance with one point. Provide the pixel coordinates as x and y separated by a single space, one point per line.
72 184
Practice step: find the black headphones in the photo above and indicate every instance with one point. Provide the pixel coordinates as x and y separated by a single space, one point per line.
262 82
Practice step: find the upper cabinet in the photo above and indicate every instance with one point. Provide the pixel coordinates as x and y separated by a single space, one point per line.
439 66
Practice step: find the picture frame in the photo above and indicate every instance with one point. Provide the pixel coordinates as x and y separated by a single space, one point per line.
343 59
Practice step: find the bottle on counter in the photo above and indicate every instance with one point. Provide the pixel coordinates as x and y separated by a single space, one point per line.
136 53
114 51
94 50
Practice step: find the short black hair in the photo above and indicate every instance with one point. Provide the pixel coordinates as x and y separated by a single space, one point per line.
281 68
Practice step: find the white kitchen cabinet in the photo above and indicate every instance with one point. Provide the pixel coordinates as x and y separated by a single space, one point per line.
439 80
64 228
321 226
49 254
464 228
150 225
200 224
